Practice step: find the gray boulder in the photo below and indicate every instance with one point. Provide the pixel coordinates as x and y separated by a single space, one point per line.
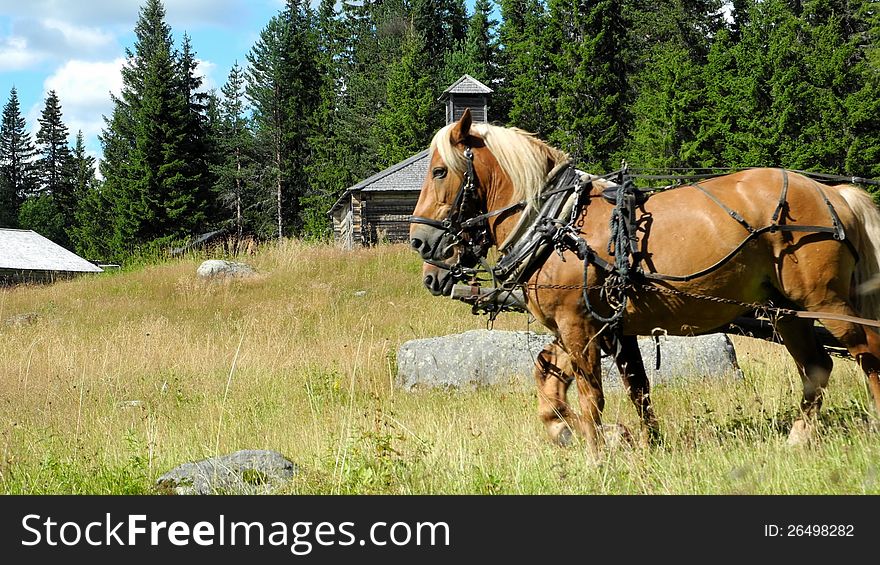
483 357
250 471
217 268
468 360
683 358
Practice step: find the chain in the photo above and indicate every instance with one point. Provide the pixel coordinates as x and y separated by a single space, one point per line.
670 292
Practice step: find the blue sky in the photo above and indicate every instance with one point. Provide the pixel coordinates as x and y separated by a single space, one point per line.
76 47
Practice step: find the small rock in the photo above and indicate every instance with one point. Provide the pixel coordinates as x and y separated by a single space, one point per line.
217 268
360 293
250 471
131 404
22 320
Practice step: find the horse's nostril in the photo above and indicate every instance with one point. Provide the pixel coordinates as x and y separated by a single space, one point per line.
416 244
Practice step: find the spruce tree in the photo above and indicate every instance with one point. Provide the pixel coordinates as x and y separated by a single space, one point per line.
93 209
283 88
373 33
82 168
590 81
40 213
863 103
326 169
441 23
405 124
778 94
664 113
477 55
670 41
8 204
811 70
525 96
197 150
236 174
153 163
736 125
16 161
739 14
159 157
54 167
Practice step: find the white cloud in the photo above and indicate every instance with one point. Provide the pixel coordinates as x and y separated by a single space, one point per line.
206 70
83 89
86 83
90 38
34 41
15 55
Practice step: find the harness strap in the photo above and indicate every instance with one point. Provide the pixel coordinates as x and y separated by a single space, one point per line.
608 267
852 180
730 211
840 234
516 206
429 222
783 197
833 316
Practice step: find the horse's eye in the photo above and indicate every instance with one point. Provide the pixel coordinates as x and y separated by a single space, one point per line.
439 172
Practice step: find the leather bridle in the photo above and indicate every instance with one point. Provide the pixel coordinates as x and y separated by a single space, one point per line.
468 234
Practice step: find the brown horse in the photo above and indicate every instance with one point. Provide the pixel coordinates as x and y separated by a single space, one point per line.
481 172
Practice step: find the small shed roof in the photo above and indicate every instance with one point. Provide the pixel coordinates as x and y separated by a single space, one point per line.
407 175
466 85
26 250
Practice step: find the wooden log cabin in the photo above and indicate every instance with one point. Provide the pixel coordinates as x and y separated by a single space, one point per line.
378 208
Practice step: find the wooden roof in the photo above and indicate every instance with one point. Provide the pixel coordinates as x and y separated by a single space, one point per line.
466 85
408 175
26 250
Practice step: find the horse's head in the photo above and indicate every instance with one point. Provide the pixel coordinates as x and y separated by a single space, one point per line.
453 192
477 178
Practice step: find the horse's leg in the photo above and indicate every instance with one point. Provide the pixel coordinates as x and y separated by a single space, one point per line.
635 379
864 345
814 365
584 352
553 377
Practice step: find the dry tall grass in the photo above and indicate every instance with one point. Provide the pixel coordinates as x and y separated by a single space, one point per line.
121 377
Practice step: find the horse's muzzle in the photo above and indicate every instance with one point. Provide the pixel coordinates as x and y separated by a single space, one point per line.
438 281
431 243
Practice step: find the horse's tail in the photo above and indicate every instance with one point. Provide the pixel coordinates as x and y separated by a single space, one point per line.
867 274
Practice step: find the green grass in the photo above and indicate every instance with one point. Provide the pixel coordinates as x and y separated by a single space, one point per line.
124 376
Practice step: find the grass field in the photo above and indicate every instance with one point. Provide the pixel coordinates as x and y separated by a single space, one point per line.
121 377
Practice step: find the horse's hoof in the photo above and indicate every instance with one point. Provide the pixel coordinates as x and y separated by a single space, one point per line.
801 434
651 437
563 436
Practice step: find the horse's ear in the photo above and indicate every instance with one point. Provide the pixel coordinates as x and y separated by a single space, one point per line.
461 129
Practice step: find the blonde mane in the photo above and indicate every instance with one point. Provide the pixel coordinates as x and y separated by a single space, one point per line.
520 154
